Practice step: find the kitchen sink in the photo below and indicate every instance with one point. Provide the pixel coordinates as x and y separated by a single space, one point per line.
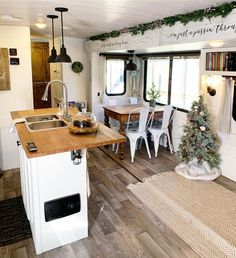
45 125
41 118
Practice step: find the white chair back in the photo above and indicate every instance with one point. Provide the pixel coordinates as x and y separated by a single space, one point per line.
135 100
143 118
166 116
112 102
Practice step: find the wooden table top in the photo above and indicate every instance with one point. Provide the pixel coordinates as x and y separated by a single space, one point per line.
125 109
60 139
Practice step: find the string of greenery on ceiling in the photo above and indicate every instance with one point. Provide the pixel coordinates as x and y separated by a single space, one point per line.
198 15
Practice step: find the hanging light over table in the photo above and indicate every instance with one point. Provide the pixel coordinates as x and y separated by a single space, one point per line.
131 66
52 57
63 57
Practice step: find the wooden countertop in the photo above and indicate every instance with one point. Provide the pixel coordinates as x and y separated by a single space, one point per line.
60 139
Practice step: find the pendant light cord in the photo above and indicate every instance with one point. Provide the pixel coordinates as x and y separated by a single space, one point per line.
52 32
62 34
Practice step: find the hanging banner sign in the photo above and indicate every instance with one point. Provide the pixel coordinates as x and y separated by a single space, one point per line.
206 30
214 29
124 42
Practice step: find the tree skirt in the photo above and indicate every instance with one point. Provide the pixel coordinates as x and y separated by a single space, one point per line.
194 171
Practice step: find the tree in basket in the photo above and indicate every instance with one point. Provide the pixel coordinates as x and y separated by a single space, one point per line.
199 147
153 93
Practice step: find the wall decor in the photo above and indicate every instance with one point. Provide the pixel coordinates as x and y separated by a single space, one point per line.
14 61
77 67
12 51
198 15
4 70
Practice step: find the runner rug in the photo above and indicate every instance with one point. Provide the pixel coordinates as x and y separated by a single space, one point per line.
203 214
14 225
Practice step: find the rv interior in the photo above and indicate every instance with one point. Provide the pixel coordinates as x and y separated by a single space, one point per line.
122 143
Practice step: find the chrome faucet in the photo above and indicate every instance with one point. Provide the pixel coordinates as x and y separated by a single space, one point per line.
65 114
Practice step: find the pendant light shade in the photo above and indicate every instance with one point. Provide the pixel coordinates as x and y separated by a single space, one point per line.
52 57
131 66
62 57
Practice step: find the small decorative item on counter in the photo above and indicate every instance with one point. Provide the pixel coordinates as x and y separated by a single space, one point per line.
83 122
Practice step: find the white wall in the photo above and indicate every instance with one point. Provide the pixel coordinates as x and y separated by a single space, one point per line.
227 141
77 83
20 95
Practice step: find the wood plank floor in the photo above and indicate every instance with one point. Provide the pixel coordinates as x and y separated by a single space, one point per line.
119 224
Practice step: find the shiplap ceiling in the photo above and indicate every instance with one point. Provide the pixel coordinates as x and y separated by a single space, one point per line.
86 18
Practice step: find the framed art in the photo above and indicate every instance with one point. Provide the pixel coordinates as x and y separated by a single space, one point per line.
4 70
14 61
12 51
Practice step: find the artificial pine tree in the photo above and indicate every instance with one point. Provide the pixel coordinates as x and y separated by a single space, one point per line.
199 148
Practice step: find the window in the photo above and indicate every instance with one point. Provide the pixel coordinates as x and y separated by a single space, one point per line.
176 77
158 72
115 77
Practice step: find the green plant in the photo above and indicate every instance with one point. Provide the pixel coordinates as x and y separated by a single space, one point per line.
153 93
198 140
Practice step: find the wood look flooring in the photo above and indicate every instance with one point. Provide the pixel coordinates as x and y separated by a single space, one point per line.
119 224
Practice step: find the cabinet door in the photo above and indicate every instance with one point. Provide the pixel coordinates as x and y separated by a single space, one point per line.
24 176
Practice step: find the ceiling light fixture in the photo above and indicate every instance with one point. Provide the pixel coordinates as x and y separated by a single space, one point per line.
63 57
131 66
52 57
40 25
216 43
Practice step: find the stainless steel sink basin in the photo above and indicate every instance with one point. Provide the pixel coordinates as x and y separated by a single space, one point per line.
40 118
45 125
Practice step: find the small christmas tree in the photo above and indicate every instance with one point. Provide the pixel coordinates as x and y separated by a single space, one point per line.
199 148
153 93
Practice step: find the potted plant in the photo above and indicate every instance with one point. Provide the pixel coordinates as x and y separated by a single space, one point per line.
153 93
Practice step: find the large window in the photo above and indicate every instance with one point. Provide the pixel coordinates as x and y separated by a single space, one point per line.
115 77
176 77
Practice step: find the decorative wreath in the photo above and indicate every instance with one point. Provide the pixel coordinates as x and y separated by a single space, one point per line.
77 67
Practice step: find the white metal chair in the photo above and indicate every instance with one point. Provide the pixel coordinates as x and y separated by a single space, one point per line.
134 134
158 130
114 124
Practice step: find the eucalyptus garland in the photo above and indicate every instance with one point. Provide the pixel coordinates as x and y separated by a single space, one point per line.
198 15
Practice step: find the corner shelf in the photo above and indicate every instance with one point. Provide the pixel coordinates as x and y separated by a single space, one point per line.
219 61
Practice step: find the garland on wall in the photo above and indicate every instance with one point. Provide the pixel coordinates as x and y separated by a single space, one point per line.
198 15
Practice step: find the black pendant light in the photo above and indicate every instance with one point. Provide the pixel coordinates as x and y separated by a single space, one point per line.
52 57
131 66
63 57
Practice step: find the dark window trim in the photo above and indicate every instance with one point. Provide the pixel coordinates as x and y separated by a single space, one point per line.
124 92
170 55
115 56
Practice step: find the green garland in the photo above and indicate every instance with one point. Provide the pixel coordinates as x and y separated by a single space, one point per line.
198 15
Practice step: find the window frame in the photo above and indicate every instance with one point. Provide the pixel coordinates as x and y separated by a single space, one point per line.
171 56
120 59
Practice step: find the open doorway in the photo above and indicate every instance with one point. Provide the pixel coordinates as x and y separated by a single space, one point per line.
40 73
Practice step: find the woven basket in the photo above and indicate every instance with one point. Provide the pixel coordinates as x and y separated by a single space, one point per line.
84 130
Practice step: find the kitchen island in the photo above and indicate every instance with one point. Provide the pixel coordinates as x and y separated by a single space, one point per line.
54 179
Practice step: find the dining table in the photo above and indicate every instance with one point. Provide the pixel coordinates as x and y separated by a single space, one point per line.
121 114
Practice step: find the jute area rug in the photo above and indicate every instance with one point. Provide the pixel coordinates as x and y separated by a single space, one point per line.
203 214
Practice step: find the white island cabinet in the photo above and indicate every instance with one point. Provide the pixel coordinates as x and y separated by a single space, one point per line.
54 179
48 178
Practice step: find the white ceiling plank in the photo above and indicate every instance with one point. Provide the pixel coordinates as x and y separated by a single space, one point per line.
86 18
